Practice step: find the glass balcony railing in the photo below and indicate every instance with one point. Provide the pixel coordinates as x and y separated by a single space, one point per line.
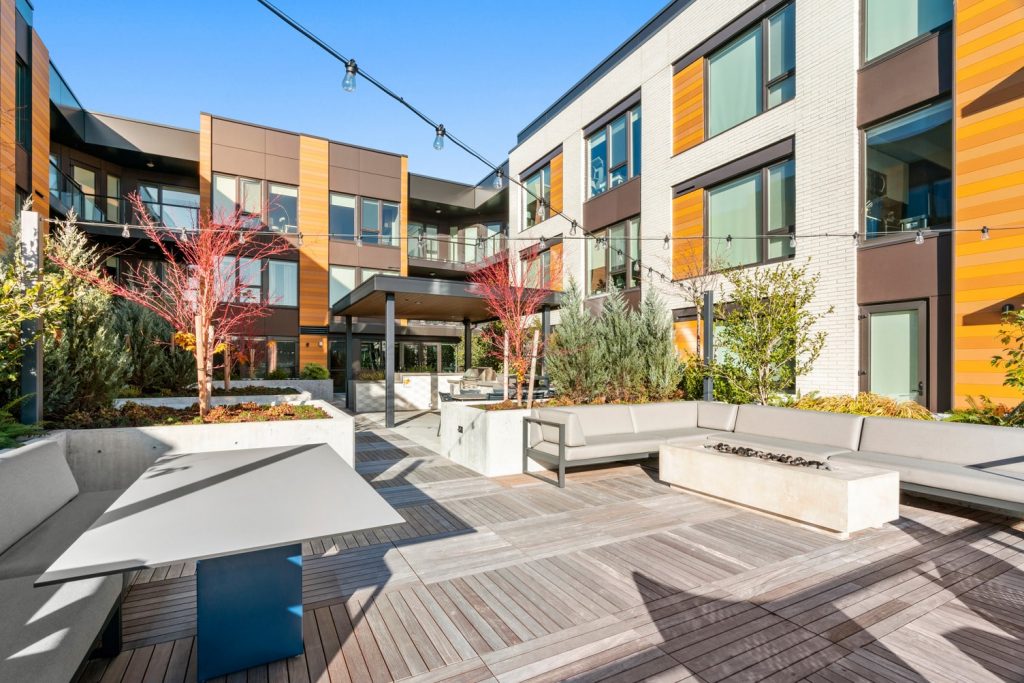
66 194
458 251
64 99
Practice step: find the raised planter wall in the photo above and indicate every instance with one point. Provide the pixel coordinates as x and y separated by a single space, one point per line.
104 459
187 401
413 391
486 441
319 389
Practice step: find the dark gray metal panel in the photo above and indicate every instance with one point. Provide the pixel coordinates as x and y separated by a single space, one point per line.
389 360
627 102
540 163
613 206
351 369
751 162
728 32
905 79
467 341
141 136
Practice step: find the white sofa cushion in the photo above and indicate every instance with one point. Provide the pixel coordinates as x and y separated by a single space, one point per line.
46 633
965 444
773 444
653 417
715 415
35 481
826 429
546 432
606 446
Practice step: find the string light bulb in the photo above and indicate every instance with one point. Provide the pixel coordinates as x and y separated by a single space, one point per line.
497 179
919 238
348 84
984 232
728 241
184 234
300 239
125 232
667 241
792 241
439 137
241 236
572 228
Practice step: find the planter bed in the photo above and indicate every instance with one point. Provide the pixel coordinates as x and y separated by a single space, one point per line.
293 397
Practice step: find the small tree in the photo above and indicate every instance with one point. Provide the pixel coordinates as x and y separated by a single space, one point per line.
767 332
619 336
701 273
157 364
657 349
202 298
514 305
573 355
1011 360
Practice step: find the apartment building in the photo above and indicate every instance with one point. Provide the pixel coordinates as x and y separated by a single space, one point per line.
746 133
754 133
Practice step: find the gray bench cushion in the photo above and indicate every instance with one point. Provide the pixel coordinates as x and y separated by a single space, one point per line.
603 420
825 429
773 444
605 446
38 549
35 481
654 417
46 633
714 415
573 431
1001 483
964 444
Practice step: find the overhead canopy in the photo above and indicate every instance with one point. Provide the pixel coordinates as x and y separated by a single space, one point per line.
422 298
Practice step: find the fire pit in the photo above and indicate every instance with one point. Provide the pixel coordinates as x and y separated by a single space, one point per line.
746 452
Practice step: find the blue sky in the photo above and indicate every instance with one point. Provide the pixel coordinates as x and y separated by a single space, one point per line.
484 69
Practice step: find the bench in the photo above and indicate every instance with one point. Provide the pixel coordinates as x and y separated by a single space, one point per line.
46 634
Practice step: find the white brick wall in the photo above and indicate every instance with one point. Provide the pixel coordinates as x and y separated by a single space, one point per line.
822 117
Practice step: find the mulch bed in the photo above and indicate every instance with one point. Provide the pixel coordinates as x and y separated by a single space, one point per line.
136 415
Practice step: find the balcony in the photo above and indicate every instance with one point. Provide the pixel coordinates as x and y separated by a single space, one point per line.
458 256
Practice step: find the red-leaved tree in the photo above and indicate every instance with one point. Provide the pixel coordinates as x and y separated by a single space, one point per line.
514 305
203 293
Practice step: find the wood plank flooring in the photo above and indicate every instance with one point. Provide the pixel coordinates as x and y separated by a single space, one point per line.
614 578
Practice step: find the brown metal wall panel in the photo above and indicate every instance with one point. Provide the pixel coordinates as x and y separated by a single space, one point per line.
613 206
344 156
908 78
282 169
238 161
380 187
282 144
345 180
379 163
240 135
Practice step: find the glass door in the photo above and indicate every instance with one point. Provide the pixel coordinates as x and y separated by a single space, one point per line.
896 336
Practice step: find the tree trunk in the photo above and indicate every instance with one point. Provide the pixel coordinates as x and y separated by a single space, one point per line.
504 371
533 370
202 379
227 367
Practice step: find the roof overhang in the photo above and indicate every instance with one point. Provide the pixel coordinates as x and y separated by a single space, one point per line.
423 298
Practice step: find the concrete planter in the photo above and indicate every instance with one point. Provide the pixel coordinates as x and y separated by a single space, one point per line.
319 389
103 459
187 401
413 391
844 500
487 441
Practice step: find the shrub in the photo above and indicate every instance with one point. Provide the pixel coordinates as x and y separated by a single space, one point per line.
657 350
157 365
618 341
871 405
370 375
278 374
10 429
314 371
572 357
985 411
693 371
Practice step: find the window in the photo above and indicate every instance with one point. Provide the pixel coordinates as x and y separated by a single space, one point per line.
753 73
343 216
113 198
242 279
282 283
283 354
888 24
378 220
538 196
423 241
22 105
343 281
282 207
759 220
613 259
537 271
909 165
86 179
369 220
613 152
171 206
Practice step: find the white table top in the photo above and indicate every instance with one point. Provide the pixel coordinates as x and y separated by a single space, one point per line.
203 505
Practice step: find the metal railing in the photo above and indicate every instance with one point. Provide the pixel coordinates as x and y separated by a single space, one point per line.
454 250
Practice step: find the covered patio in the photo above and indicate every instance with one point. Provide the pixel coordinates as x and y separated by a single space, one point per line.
395 297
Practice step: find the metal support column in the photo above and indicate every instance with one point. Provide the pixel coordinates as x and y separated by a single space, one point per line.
545 332
467 341
349 363
708 319
30 245
389 360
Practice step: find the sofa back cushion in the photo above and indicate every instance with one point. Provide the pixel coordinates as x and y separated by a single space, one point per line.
715 415
656 417
35 482
828 429
602 420
549 432
963 444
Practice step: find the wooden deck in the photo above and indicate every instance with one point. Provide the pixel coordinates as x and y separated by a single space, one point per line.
615 578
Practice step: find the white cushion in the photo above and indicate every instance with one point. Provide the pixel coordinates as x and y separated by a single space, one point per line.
965 444
652 417
35 481
715 415
826 429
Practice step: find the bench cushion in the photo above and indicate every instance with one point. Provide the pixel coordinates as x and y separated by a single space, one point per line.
46 633
39 548
715 415
774 444
965 444
605 446
573 431
35 481
653 417
1002 483
825 429
603 420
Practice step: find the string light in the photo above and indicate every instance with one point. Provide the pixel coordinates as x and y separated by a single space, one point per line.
125 232
919 238
728 241
984 232
300 239
572 228
792 241
667 241
439 138
348 84
497 179
241 236
184 234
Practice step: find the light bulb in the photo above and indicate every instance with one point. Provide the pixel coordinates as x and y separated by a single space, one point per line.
241 237
184 235
667 241
919 238
125 232
497 179
984 233
572 228
348 84
439 138
792 241
728 241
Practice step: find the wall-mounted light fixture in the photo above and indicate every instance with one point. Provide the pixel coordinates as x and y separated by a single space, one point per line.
1007 309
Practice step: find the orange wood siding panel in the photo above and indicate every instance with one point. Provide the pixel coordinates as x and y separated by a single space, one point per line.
688 222
557 184
313 254
688 107
989 177
205 162
8 163
403 219
556 267
40 127
685 335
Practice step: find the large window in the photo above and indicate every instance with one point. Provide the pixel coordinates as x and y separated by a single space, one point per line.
173 207
242 279
753 73
283 283
378 220
538 196
751 218
613 152
343 281
246 195
613 258
909 172
282 207
537 270
22 105
888 24
343 216
423 241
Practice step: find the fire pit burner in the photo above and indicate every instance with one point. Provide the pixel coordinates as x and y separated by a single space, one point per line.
782 458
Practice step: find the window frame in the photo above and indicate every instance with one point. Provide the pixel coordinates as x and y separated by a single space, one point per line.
357 218
263 215
267 284
544 200
631 240
764 234
761 25
629 163
22 104
542 261
916 40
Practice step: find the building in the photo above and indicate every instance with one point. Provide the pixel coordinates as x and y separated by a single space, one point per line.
746 133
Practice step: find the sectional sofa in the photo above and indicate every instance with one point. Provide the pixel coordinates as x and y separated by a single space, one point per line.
46 634
973 463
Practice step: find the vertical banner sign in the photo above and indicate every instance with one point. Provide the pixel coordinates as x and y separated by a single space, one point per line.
30 245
